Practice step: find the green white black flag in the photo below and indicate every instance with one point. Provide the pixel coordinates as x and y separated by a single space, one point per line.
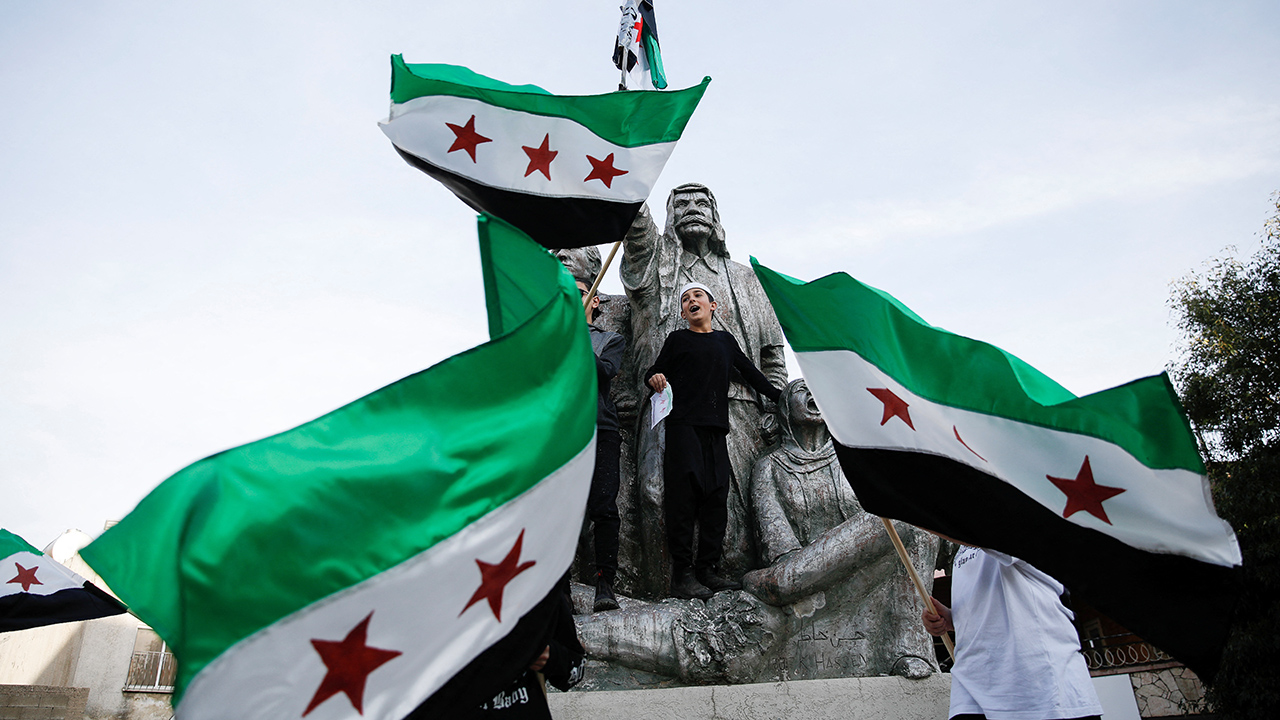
36 590
568 170
350 566
1105 492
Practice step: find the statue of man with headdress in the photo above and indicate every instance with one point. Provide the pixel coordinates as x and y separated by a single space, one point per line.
654 267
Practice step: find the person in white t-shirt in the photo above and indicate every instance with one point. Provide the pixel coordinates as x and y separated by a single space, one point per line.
1017 652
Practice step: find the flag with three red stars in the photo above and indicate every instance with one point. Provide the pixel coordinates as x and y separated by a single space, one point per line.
36 590
569 171
361 564
1107 492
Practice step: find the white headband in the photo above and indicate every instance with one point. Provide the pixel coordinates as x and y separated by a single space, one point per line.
690 286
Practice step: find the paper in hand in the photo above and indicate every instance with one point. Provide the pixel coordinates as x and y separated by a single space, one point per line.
661 403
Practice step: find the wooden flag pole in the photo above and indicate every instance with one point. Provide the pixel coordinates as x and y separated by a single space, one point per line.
915 578
586 300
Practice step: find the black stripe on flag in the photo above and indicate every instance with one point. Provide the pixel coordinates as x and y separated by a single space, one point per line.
22 611
1181 605
554 222
500 664
648 22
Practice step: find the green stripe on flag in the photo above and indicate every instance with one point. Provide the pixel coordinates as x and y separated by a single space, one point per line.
654 54
244 538
10 543
837 312
514 289
628 119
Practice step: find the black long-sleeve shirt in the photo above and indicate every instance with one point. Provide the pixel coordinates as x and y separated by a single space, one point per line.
699 367
608 347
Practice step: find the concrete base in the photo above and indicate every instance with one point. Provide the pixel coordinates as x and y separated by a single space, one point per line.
871 698
42 702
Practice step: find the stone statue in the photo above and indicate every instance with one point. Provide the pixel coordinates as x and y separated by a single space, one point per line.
834 602
654 267
826 552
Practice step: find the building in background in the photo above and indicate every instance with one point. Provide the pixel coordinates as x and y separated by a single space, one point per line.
1162 686
122 664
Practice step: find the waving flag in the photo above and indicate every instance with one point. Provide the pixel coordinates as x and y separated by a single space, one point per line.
569 171
37 590
351 566
1105 492
636 52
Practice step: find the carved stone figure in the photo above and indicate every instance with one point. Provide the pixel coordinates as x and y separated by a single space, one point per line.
654 267
825 551
835 602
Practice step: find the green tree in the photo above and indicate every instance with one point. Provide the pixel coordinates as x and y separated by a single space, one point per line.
1229 377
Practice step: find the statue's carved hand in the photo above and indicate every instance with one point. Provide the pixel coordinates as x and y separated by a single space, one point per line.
643 219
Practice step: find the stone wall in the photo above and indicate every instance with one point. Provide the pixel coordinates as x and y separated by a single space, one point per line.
42 702
1170 692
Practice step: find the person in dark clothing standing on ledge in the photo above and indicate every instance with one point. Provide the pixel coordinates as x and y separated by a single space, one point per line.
698 363
561 664
602 500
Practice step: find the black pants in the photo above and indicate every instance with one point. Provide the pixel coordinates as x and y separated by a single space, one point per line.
696 483
602 503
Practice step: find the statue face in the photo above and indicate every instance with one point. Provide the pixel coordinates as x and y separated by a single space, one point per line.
801 407
579 262
693 215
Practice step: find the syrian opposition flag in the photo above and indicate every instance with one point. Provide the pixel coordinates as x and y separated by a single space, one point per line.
1106 492
350 567
37 590
636 52
569 171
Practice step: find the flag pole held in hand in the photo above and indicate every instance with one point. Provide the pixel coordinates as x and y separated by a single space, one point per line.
915 578
586 300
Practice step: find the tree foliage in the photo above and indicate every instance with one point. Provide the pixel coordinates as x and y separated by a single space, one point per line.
1229 378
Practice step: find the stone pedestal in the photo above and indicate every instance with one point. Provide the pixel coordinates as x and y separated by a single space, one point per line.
868 698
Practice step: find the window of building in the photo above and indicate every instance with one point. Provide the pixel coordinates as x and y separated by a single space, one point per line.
152 667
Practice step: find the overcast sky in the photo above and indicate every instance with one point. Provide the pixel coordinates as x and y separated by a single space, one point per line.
205 239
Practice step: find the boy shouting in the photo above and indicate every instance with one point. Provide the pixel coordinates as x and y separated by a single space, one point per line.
698 363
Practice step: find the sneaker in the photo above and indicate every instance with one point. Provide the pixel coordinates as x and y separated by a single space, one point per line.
686 586
605 599
716 582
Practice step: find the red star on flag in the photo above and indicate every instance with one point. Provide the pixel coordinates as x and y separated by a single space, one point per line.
1084 494
604 171
466 137
894 406
540 157
26 577
349 662
494 578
